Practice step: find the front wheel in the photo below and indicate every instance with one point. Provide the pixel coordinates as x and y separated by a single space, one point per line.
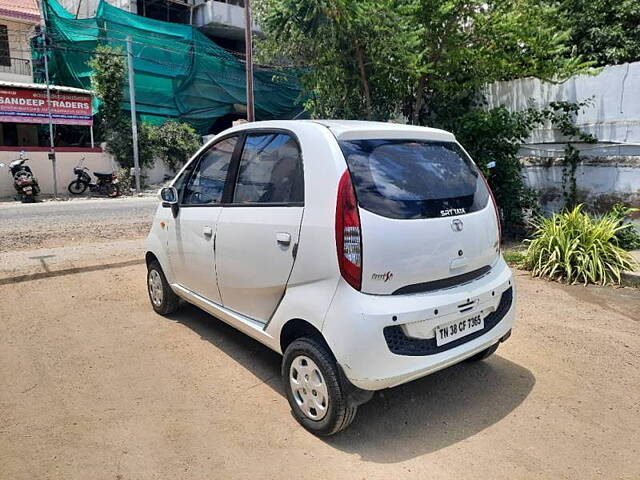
77 187
314 391
163 299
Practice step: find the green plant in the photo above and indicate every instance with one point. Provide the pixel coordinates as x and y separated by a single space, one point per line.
574 247
127 181
109 67
604 31
120 143
514 258
175 142
628 237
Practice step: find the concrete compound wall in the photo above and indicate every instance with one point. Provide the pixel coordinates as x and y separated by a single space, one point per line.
601 182
610 170
40 164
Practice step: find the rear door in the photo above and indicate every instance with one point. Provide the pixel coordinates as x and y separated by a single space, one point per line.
191 234
258 230
427 218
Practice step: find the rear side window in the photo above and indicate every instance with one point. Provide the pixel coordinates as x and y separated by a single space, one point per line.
409 179
206 183
270 170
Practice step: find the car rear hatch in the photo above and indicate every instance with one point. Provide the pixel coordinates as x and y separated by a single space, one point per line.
427 219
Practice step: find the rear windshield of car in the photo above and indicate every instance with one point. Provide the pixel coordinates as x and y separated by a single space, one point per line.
410 179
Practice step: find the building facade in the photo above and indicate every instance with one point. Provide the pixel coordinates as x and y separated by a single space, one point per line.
18 21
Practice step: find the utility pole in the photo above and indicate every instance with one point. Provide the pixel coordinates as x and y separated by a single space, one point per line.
134 120
248 42
52 154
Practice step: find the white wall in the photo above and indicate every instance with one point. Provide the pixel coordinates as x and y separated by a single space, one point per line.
42 169
614 113
610 170
65 162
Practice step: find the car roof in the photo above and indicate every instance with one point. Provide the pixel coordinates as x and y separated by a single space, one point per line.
359 129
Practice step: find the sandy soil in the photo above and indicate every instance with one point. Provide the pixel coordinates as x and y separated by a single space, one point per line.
96 385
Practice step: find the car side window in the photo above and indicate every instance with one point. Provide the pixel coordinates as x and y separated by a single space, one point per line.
206 183
180 182
270 170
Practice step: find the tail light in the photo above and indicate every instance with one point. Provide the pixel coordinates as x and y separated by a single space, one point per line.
348 233
495 208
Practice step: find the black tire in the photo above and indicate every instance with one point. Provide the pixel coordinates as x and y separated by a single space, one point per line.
338 414
484 354
169 300
113 190
77 187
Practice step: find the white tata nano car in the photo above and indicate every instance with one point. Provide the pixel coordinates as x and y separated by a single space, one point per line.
367 254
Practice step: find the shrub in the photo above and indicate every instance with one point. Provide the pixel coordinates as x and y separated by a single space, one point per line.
175 143
127 181
628 237
574 247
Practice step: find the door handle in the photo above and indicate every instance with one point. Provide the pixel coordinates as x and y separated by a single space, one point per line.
207 231
283 239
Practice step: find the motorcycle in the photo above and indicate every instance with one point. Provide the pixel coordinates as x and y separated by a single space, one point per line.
24 182
106 182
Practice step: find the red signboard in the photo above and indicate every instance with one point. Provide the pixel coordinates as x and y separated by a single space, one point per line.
23 105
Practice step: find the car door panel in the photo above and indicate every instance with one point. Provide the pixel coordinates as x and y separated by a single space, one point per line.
192 257
258 230
191 237
253 258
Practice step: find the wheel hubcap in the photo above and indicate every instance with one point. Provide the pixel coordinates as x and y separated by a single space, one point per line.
308 387
155 288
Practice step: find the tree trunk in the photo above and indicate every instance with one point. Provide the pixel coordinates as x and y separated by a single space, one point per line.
363 79
419 100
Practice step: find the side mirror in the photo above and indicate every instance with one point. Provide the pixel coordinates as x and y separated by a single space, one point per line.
169 196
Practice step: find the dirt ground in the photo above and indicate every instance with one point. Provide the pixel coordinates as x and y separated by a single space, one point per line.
95 385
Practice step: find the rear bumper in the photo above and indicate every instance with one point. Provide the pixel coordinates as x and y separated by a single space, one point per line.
372 360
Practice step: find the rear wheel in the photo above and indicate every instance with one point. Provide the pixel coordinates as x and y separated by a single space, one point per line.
77 187
314 391
484 353
163 299
113 190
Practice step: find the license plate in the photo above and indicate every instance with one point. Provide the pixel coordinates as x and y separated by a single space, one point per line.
456 329
28 190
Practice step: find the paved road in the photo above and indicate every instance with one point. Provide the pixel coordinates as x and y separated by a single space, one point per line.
52 224
90 209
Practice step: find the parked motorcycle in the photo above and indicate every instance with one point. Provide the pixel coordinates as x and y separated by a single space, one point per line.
106 182
24 182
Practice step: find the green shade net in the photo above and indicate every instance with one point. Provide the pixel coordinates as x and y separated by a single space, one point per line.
179 73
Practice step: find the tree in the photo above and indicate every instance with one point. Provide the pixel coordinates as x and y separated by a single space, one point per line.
108 82
354 53
109 73
377 59
426 61
174 142
606 32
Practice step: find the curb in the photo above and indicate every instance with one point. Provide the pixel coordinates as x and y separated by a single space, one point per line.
630 279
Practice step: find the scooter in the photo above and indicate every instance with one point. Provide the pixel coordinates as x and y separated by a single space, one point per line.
106 182
24 182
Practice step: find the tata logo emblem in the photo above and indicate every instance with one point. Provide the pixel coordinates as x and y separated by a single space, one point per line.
457 225
385 277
